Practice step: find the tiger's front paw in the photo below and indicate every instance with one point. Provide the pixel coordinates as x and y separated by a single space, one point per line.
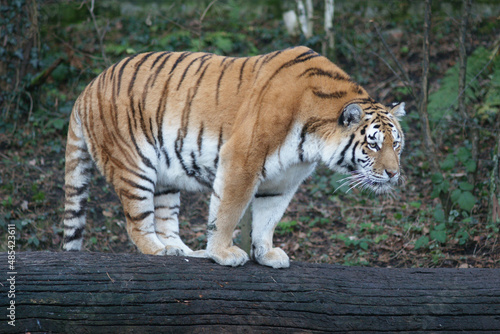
275 258
232 256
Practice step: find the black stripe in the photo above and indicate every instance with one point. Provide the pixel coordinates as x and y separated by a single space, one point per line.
256 62
219 145
131 196
77 190
168 207
269 57
137 68
316 71
141 216
342 154
268 195
120 72
241 73
333 95
310 126
353 159
182 132
217 91
144 159
161 55
303 57
203 59
72 214
167 158
166 192
160 68
144 128
185 72
263 169
160 111
113 68
199 141
181 57
136 185
152 136
194 165
77 234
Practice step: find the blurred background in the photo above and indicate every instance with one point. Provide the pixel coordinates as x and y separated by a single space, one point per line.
441 58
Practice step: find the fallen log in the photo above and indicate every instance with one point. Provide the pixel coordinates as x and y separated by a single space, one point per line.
80 292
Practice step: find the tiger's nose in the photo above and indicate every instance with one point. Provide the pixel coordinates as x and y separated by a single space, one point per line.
391 173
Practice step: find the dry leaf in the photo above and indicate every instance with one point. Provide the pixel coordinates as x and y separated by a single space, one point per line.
107 213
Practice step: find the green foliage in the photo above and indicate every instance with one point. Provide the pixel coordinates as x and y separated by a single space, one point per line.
461 190
489 108
286 227
445 99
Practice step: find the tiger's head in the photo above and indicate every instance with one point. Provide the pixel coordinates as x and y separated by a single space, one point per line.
368 145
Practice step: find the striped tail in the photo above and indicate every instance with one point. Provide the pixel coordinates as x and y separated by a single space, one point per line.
78 169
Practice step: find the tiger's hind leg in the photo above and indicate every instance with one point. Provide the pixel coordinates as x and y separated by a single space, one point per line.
136 192
167 204
77 178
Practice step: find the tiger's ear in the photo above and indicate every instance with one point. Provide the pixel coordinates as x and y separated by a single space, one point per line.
351 115
398 110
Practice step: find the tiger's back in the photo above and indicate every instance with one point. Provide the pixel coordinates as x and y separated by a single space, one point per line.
160 122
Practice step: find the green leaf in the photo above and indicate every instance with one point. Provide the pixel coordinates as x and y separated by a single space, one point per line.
363 245
436 178
455 195
423 241
448 163
466 186
463 154
466 201
470 166
445 186
416 204
440 227
463 236
439 215
439 236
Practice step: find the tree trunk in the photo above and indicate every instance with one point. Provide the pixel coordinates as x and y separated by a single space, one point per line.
79 292
462 54
329 42
424 116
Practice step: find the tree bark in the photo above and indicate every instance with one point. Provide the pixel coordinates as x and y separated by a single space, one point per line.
329 42
80 292
424 116
462 55
429 146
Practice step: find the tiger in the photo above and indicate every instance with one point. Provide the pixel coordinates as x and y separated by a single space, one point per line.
249 130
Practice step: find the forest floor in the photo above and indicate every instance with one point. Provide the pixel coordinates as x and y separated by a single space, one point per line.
322 224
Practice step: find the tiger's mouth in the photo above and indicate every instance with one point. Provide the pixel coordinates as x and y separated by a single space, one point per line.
370 181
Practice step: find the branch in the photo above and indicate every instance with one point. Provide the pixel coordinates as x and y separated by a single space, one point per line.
99 34
403 73
41 77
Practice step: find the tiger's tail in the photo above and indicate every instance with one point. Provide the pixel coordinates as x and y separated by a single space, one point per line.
78 171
